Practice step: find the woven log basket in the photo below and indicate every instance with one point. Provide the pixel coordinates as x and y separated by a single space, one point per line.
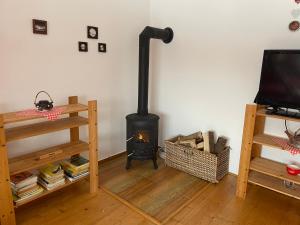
204 165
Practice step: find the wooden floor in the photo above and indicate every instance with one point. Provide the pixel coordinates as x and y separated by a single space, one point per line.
159 193
217 205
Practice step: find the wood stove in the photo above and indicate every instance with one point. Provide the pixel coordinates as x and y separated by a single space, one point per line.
142 127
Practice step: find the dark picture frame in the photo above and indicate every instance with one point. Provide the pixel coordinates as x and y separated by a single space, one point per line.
82 46
39 27
92 32
294 25
102 47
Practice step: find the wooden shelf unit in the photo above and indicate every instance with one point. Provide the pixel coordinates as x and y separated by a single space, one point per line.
52 154
255 169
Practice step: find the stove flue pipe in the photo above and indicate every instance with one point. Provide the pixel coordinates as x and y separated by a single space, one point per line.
144 44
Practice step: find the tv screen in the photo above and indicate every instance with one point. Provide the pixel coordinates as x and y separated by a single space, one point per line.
280 79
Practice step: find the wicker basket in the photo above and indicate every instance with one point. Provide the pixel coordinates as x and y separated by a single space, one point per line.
201 164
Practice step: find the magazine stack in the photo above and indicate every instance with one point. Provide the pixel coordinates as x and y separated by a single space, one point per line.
24 186
75 168
51 176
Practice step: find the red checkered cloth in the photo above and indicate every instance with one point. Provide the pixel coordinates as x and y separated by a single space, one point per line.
50 115
286 146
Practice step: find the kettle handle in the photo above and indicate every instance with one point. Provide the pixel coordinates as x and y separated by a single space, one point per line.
40 93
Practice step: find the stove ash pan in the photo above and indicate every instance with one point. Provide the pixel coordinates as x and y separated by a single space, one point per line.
142 138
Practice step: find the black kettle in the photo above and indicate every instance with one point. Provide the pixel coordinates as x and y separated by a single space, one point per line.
43 104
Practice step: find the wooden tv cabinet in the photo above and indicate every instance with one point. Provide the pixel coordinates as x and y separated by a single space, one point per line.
255 169
42 157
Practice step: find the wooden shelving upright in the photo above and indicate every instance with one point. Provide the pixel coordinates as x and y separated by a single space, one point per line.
255 169
55 153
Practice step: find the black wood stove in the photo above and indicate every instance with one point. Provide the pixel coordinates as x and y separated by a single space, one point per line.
142 127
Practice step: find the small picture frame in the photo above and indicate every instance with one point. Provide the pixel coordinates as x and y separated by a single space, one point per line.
101 47
39 27
82 46
92 32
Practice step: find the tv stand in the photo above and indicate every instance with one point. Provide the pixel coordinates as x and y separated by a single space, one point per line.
282 112
256 169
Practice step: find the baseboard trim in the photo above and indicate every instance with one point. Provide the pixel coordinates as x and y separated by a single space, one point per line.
112 157
232 174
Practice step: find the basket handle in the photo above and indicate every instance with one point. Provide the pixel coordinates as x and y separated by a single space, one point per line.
188 153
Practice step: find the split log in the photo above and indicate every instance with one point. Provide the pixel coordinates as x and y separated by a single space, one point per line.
200 145
220 145
209 141
190 143
197 136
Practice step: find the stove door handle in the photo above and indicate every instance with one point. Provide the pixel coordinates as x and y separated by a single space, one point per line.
129 139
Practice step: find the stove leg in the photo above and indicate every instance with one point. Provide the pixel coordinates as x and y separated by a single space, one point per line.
128 164
155 163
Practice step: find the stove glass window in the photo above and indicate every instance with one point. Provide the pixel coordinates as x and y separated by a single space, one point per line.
142 136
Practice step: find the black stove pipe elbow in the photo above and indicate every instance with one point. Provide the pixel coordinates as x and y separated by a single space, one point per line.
166 35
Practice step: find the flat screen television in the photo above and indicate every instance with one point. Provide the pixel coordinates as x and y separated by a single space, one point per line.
280 79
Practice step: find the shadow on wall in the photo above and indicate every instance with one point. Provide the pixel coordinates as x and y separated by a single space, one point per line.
162 123
4 108
155 59
154 92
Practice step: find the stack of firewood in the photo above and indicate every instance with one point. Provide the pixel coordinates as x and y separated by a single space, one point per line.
203 142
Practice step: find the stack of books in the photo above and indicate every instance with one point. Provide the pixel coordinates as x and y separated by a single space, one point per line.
51 176
75 168
24 186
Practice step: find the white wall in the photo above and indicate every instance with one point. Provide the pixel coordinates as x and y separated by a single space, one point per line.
29 63
204 78
201 81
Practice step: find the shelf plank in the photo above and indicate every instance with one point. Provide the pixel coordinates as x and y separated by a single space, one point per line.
13 117
47 192
33 161
273 184
35 129
267 140
272 168
262 112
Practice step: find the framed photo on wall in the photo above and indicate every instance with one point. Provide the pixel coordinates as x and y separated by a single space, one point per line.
82 46
101 47
39 27
92 32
